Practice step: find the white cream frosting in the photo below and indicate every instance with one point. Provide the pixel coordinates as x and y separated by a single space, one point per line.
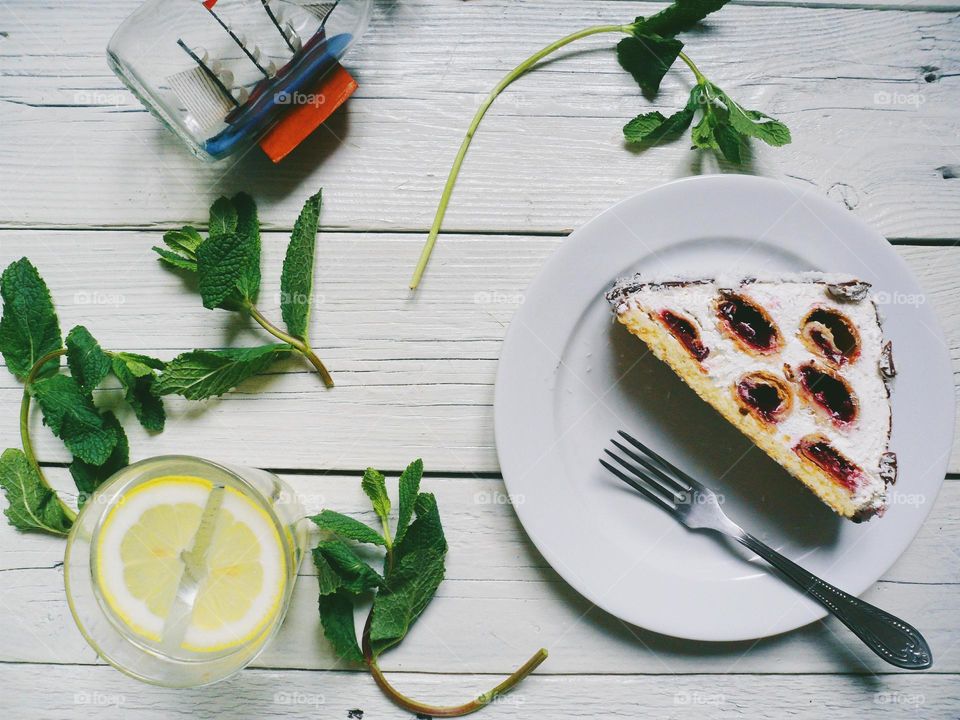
787 300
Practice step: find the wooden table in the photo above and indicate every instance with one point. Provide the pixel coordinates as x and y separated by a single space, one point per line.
89 182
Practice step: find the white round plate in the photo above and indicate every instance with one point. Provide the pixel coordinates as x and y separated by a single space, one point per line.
570 377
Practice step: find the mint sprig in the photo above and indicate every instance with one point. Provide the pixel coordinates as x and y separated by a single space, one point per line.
95 438
647 53
724 125
202 374
413 568
227 266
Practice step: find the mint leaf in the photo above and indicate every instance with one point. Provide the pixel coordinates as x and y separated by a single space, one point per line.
174 260
336 616
28 328
136 375
653 126
648 57
186 240
140 365
702 133
409 490
729 141
223 217
681 15
228 261
31 504
752 123
356 577
418 569
89 477
70 414
183 244
347 527
326 576
296 282
375 487
87 361
248 227
223 265
202 374
714 130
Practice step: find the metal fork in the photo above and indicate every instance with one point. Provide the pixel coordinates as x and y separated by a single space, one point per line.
697 507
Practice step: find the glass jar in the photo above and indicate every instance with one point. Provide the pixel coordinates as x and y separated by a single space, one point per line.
221 74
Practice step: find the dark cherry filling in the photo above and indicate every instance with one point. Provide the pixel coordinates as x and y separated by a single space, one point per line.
764 395
748 322
829 333
821 453
830 392
686 332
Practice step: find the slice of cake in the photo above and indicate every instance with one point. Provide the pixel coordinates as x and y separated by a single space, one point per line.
798 363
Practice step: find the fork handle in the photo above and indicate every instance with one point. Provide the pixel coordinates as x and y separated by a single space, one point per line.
895 641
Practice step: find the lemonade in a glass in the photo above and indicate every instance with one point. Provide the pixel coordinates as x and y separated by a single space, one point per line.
178 570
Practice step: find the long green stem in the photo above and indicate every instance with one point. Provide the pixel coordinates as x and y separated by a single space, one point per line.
475 123
302 347
25 425
445 711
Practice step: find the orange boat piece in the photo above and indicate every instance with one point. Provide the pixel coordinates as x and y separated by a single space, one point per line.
307 112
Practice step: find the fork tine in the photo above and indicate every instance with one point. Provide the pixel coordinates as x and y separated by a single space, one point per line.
660 478
664 464
651 482
649 494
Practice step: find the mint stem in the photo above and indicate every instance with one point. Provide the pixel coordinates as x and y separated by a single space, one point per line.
444 711
299 345
696 71
475 123
25 426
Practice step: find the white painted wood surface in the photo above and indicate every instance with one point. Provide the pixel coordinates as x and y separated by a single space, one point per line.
89 180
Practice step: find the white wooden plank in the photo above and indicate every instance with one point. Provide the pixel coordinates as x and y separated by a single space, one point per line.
414 373
58 692
500 602
874 134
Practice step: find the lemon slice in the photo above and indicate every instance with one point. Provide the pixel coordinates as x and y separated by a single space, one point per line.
185 564
245 580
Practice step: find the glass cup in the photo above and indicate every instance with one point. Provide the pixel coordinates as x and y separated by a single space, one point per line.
179 570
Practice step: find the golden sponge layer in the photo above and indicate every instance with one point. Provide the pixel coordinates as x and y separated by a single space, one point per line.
764 436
